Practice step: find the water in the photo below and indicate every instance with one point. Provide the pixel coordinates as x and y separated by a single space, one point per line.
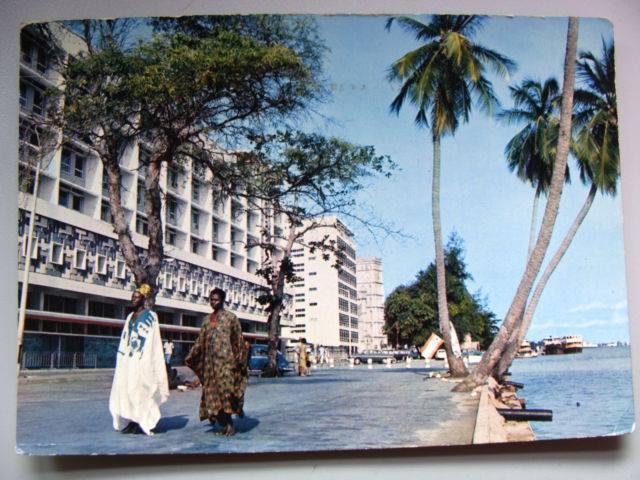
590 393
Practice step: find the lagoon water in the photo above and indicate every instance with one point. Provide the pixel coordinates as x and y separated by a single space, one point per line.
590 393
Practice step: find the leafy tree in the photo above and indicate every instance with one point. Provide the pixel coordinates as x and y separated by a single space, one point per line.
175 93
598 157
514 317
411 311
442 78
302 178
531 151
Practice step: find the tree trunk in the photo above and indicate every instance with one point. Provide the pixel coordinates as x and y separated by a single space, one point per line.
519 335
457 367
119 221
153 209
532 228
515 313
277 298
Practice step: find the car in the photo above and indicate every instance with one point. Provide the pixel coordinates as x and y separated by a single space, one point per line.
440 354
260 359
376 356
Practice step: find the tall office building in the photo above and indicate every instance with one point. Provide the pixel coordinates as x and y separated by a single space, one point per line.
371 302
325 309
79 284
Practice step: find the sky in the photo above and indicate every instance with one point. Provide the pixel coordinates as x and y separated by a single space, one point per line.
480 199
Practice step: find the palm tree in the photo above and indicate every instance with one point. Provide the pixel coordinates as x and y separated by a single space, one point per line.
531 151
442 78
597 152
515 314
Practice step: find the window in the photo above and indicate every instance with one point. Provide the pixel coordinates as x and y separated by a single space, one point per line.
215 231
70 198
215 253
182 284
165 317
173 178
195 287
33 54
343 304
344 320
313 304
313 289
172 210
100 266
300 315
344 335
312 258
142 226
72 163
34 246
144 156
354 308
168 281
354 336
190 321
55 303
105 211
195 245
311 274
300 310
195 191
140 196
32 98
170 236
80 259
102 309
56 253
195 221
121 269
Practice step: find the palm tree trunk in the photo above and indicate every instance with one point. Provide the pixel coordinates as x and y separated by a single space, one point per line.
514 315
532 228
457 367
518 335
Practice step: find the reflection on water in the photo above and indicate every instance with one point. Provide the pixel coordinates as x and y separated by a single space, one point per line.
590 393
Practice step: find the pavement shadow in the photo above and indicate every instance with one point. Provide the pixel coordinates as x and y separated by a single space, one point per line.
242 425
176 422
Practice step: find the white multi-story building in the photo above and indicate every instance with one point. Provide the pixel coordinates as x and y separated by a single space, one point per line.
371 302
79 284
325 309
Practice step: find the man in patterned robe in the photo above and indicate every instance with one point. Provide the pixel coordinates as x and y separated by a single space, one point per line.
219 360
140 379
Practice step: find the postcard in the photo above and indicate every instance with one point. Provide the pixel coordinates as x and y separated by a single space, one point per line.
304 233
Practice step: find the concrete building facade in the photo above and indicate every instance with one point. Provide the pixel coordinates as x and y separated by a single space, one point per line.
371 303
325 308
79 284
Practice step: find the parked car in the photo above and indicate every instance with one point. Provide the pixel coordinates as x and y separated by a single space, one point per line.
376 356
440 354
260 359
403 354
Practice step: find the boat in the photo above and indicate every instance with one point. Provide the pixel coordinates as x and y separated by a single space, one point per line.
572 344
562 345
525 351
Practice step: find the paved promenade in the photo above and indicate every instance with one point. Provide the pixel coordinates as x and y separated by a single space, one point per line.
66 412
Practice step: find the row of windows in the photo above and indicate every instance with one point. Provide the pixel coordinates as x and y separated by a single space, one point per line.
344 336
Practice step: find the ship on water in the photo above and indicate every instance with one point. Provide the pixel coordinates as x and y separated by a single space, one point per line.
525 351
562 345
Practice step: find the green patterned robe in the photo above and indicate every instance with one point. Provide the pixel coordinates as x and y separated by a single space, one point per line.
218 359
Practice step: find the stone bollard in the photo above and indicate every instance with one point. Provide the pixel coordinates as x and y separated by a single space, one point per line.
369 363
351 363
331 363
388 362
427 363
409 362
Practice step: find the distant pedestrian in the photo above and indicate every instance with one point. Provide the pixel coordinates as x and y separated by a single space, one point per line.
168 351
322 353
139 381
302 358
218 359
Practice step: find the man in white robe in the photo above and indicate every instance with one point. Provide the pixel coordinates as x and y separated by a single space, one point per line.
140 379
